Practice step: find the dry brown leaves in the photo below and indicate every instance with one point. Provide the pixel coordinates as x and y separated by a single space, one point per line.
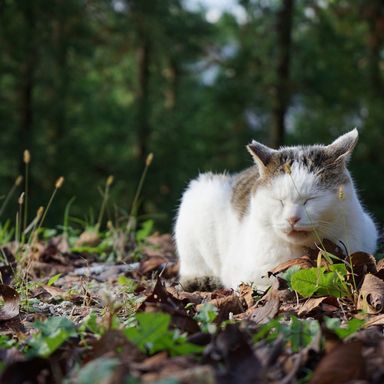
230 355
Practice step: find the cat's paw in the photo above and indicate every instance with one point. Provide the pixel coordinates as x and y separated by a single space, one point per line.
204 283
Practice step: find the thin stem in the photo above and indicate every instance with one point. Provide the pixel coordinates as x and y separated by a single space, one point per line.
102 207
7 198
134 207
26 195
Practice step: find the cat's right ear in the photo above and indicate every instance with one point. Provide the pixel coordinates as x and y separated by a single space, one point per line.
261 154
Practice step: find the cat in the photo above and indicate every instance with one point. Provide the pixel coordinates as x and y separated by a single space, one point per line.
235 228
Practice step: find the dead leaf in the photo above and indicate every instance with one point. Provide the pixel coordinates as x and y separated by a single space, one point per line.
237 363
265 313
114 343
35 370
246 294
11 306
161 300
310 305
371 295
303 262
54 291
317 303
225 305
342 365
361 264
375 320
88 238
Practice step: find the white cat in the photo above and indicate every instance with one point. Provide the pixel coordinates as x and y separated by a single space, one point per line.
235 228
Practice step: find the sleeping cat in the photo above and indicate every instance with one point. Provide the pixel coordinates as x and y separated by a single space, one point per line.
235 228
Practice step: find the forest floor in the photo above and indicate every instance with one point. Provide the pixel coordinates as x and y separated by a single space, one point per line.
101 309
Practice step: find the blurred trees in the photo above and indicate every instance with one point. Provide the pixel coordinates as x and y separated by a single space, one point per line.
91 87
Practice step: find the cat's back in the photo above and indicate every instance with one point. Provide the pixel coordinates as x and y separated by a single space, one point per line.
205 194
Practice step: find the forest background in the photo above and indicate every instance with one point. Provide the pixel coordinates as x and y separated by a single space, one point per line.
91 87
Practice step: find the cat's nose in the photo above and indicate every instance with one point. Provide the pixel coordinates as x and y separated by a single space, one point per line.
293 220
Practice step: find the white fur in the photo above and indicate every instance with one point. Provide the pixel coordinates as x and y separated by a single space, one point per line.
212 240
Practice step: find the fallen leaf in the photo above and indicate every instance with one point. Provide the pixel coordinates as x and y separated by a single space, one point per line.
246 294
310 304
342 365
268 311
161 300
371 295
88 238
11 306
361 264
54 291
225 305
35 370
234 358
303 262
375 320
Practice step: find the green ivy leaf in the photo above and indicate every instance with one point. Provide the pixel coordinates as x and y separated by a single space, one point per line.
52 334
352 326
321 281
152 335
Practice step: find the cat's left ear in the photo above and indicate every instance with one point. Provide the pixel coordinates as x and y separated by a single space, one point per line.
341 149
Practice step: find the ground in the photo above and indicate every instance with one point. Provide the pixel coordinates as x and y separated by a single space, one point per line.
107 308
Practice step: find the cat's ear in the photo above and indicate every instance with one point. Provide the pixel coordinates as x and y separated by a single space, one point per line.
261 154
341 149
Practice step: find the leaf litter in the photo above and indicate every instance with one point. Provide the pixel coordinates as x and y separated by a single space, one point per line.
78 319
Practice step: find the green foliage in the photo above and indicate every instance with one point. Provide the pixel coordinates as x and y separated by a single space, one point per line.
321 281
298 333
7 342
53 279
144 231
352 326
152 334
97 371
128 284
206 316
91 324
52 333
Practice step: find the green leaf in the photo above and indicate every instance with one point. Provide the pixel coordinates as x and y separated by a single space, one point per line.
144 231
52 334
301 332
287 275
53 279
97 371
90 323
152 335
346 330
321 281
151 327
206 316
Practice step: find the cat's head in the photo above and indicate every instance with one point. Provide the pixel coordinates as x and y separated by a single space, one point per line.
300 188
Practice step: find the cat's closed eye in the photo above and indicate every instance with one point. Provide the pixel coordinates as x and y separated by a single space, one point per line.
308 199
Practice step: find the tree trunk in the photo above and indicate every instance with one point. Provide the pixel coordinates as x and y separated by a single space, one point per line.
373 12
281 89
143 99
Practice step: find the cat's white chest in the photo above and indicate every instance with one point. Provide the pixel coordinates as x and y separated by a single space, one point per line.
253 253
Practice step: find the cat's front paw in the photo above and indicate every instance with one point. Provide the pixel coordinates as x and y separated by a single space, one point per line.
204 283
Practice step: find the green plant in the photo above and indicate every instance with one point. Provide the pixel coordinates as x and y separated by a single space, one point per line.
345 330
322 281
52 333
206 317
298 333
152 334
